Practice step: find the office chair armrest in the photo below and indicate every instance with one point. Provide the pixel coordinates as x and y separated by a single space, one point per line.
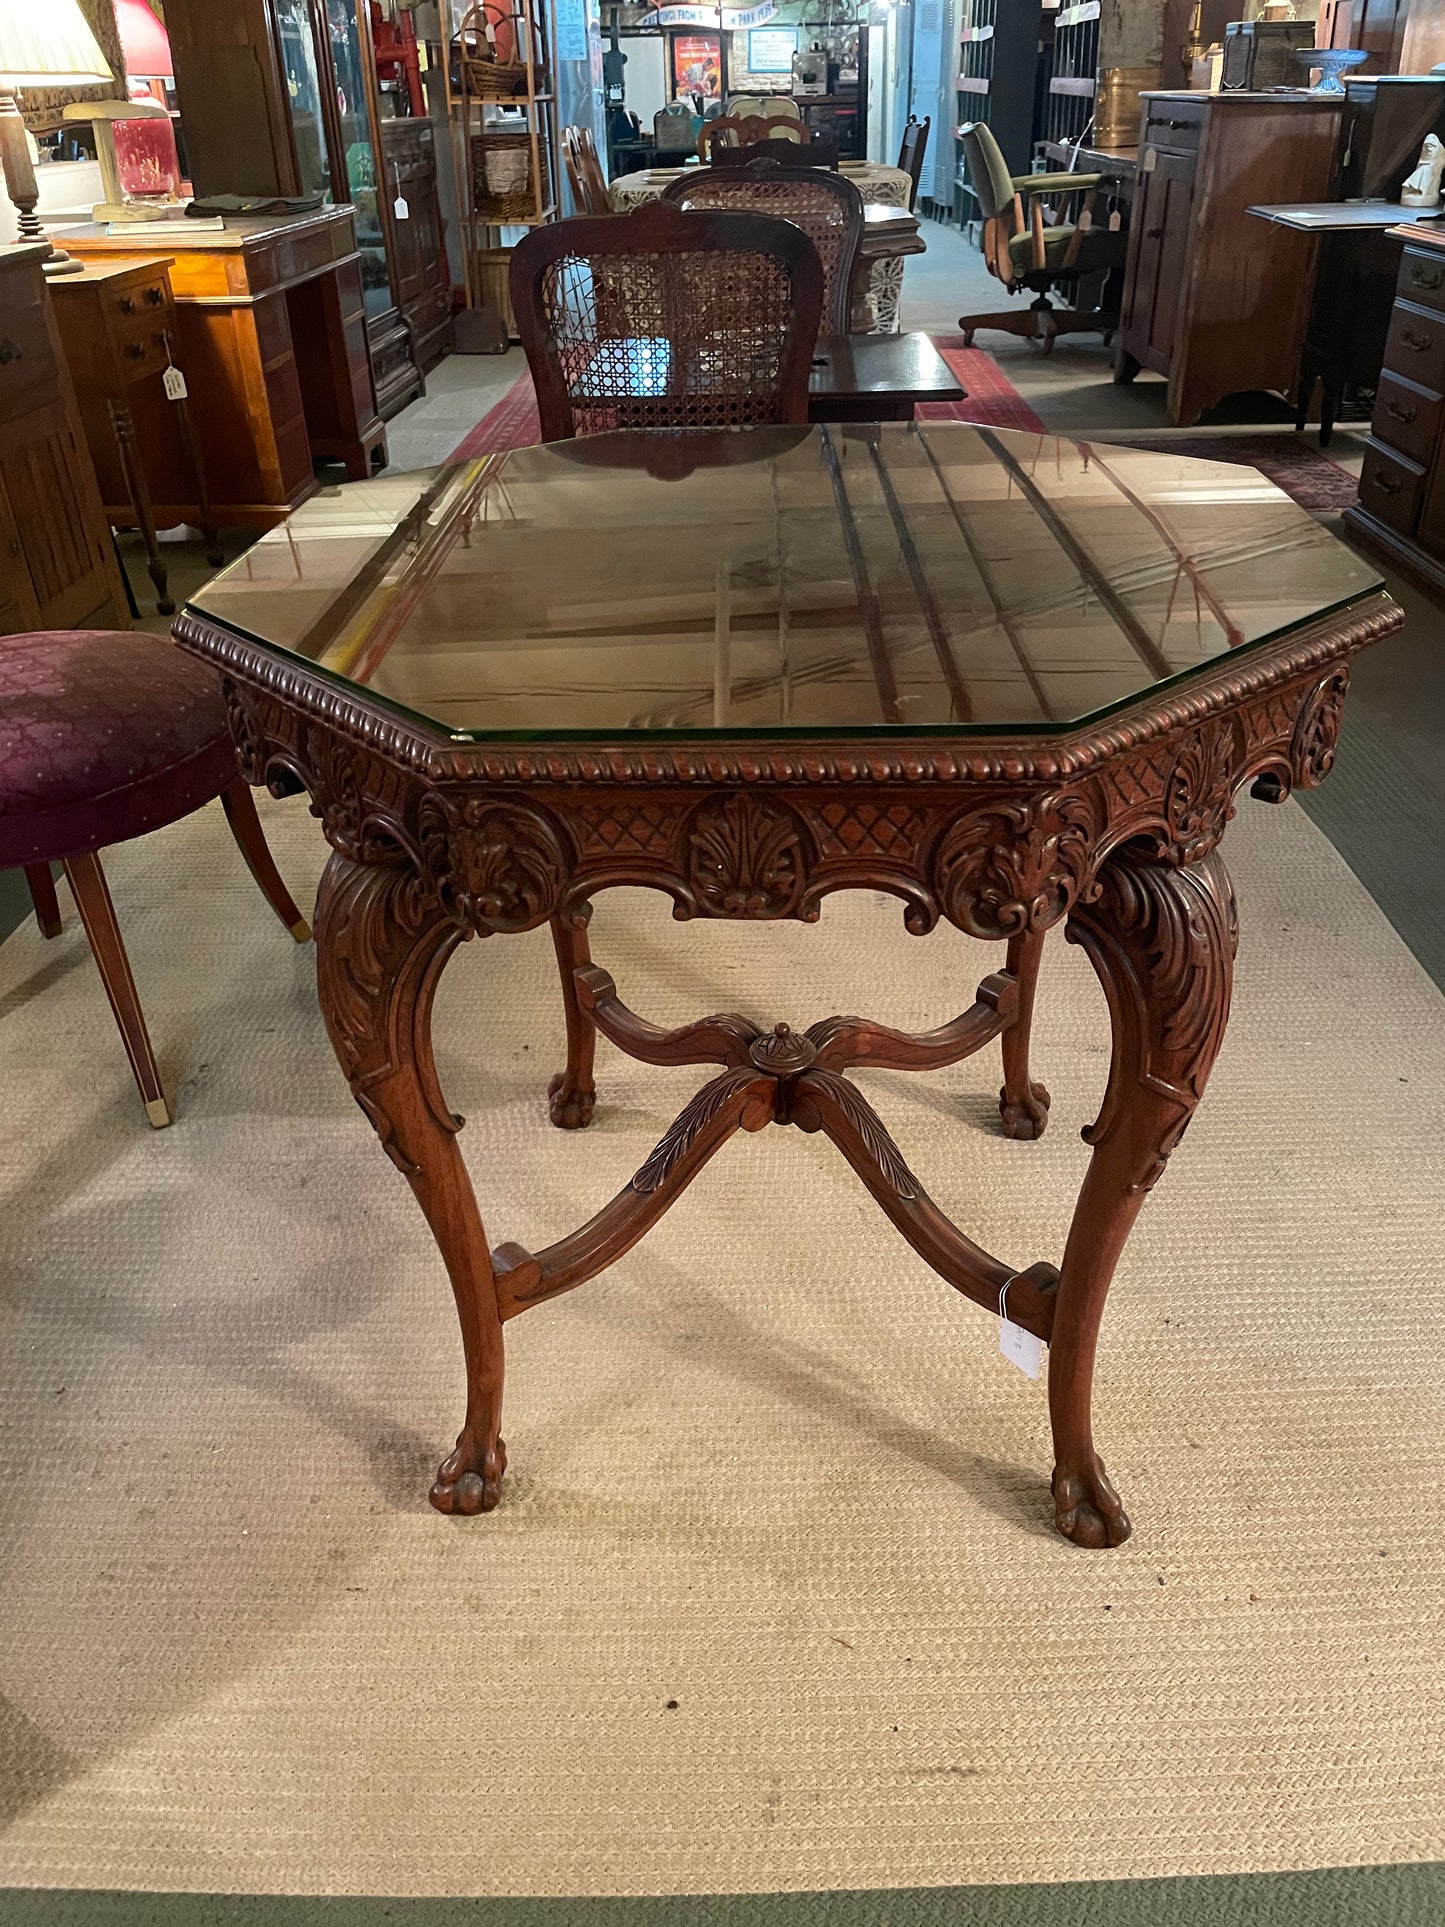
1054 183
1081 228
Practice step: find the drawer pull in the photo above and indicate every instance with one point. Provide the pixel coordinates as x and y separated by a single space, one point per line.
1152 233
1399 411
127 304
154 296
1386 484
10 351
1425 277
1419 343
135 349
1176 123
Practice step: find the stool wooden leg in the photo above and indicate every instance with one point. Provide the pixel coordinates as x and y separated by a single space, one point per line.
240 809
42 895
97 913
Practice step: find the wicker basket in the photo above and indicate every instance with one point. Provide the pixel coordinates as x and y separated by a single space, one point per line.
503 187
483 74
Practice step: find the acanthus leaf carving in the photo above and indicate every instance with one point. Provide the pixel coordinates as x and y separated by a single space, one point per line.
1017 865
382 942
681 1134
493 864
1199 796
745 856
1317 729
1163 940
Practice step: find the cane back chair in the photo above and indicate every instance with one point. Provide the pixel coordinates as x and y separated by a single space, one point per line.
584 171
827 207
746 130
667 319
1024 253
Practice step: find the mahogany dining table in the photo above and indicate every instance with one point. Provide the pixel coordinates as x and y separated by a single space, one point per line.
1016 682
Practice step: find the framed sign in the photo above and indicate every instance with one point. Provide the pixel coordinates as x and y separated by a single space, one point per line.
771 49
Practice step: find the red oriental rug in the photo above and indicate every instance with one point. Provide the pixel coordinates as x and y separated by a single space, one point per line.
991 400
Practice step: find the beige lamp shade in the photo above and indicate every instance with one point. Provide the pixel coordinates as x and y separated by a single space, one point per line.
46 43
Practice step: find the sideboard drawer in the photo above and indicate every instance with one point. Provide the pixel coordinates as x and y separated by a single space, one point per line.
1422 277
1174 124
1390 487
1415 345
1406 417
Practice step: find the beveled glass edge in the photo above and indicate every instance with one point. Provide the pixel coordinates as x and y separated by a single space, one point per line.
780 732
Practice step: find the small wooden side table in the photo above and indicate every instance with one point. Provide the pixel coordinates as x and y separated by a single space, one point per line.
118 325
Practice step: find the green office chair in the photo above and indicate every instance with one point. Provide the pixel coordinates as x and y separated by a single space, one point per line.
1023 253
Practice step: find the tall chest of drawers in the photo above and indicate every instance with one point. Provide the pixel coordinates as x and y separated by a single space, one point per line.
1401 509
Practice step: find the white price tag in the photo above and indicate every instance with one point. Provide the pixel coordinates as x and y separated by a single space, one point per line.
175 384
400 209
1019 1347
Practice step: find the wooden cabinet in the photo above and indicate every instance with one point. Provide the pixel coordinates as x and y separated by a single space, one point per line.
58 568
271 333
423 290
1214 299
1400 514
278 97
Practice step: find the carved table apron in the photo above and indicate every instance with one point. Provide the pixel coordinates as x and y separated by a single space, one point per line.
1111 829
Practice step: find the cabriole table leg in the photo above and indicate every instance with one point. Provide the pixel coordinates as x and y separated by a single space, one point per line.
1023 1104
1162 941
572 1095
381 947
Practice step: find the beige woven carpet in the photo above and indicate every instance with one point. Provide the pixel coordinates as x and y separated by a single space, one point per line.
769 1469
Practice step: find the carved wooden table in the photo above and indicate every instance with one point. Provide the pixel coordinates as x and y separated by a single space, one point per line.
1016 682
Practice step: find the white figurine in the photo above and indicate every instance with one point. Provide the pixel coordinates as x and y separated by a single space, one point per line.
1422 189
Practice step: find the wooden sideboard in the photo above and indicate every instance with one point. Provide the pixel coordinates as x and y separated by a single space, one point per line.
1400 515
58 567
1212 299
271 333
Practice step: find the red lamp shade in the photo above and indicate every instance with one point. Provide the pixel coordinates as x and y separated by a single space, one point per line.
143 41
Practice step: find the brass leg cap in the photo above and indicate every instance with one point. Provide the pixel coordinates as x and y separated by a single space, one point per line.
159 1112
301 930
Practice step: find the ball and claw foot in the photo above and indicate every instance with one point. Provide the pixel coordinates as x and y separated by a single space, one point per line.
1087 1509
1025 1119
462 1486
569 1110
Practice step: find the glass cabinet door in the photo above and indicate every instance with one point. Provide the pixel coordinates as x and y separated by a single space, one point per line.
303 88
363 186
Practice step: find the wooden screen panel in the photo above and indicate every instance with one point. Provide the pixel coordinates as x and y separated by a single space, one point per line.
39 459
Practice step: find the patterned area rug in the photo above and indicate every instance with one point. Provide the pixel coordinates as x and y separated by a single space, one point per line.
1288 460
991 399
772 1600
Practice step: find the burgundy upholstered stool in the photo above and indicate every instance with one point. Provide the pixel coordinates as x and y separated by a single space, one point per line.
105 734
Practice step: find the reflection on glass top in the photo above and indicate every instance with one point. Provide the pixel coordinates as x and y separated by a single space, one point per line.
829 580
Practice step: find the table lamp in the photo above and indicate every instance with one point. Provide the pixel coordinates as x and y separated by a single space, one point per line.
47 45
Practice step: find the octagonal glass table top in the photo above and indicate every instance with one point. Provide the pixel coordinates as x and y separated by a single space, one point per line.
927 577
